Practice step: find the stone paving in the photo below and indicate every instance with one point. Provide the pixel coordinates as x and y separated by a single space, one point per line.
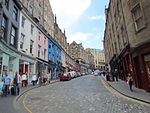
81 95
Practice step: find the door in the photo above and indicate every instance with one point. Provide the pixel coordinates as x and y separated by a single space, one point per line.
138 73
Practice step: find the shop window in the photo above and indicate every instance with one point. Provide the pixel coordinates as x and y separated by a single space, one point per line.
3 29
22 41
31 46
138 17
15 13
13 35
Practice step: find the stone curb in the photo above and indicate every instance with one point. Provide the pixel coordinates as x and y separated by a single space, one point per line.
147 102
17 98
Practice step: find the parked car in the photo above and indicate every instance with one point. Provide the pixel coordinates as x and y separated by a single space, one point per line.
78 74
65 76
73 74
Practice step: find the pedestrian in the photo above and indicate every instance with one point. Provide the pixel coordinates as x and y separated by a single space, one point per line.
27 78
7 81
116 74
17 81
34 79
40 79
130 81
24 80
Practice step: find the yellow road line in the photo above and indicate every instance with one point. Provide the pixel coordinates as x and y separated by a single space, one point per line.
113 91
25 106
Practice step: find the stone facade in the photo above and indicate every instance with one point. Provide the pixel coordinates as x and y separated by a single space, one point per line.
127 41
41 9
98 58
60 36
84 57
9 35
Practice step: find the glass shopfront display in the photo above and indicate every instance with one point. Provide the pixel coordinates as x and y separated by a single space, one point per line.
147 66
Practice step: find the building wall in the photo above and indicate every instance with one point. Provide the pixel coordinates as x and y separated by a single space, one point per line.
8 53
8 13
28 36
42 40
98 58
41 9
126 39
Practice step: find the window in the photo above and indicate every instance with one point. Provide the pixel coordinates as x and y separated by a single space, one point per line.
45 40
32 27
6 3
4 25
23 21
39 50
15 13
31 9
39 36
22 40
138 17
45 53
13 35
31 46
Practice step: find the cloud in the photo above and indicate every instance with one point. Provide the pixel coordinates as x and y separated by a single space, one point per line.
69 11
97 17
80 37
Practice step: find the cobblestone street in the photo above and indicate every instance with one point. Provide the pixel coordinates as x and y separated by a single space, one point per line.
81 95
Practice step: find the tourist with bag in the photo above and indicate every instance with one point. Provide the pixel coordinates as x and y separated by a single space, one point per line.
17 81
7 81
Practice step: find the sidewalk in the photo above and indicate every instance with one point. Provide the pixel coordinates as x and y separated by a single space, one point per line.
123 88
6 103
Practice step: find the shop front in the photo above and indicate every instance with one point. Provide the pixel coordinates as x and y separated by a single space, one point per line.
41 67
27 65
9 59
141 60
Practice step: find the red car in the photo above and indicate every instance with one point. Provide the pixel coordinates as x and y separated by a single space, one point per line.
65 76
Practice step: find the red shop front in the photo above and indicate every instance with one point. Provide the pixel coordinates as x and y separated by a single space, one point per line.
141 65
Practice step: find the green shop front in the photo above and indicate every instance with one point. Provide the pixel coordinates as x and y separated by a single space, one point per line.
9 59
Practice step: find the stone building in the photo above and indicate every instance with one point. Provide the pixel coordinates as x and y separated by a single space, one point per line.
9 35
127 41
98 58
41 10
60 36
79 54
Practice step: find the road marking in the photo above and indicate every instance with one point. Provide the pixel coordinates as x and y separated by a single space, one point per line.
25 106
113 91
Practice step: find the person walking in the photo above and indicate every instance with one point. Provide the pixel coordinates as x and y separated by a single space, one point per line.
7 81
34 79
24 80
130 81
17 81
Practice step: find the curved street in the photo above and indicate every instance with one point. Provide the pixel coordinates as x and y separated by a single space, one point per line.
85 94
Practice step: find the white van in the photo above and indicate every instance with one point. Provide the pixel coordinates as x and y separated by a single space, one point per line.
73 74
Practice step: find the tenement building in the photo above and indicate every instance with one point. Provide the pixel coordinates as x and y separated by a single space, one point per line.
9 36
79 54
41 10
99 58
127 40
